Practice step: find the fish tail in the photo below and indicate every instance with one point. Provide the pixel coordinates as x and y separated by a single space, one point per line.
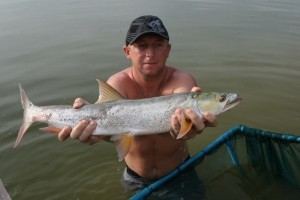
26 104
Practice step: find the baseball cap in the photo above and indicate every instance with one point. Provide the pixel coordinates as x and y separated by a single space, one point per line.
145 24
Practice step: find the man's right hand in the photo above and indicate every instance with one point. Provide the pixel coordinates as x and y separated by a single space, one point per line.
83 130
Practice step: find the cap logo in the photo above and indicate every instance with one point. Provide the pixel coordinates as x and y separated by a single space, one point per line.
156 26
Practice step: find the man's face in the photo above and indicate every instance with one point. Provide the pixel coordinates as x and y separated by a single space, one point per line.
149 54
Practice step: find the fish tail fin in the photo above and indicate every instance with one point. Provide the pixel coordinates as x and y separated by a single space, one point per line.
26 103
123 143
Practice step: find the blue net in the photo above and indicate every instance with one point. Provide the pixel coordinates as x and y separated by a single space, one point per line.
243 163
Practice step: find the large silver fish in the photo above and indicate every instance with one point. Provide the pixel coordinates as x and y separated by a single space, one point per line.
123 118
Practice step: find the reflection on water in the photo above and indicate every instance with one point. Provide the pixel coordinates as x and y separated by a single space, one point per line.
57 49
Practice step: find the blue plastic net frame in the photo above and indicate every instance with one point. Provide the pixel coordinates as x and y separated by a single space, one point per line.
225 139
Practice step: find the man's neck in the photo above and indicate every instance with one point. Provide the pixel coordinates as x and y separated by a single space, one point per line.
149 86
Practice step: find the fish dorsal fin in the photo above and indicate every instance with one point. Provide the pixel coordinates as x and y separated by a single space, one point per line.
186 125
107 93
123 143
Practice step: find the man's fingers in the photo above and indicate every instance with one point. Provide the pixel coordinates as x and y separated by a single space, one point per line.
199 122
82 131
175 122
94 139
79 102
196 119
87 131
64 133
196 89
211 120
175 126
78 129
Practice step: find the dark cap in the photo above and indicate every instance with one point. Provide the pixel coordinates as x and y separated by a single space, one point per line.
145 24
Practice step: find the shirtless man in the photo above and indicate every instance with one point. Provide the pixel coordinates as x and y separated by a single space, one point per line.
152 156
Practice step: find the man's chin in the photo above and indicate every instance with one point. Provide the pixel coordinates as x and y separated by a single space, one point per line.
151 70
153 73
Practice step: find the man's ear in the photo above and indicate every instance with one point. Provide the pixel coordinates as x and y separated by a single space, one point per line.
126 50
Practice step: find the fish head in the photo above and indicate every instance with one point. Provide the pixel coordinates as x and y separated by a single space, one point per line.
215 102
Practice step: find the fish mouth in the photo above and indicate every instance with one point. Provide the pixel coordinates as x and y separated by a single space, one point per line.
233 102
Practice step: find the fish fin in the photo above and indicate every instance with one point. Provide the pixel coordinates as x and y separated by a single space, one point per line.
3 192
50 129
186 125
22 132
107 93
123 143
24 99
26 103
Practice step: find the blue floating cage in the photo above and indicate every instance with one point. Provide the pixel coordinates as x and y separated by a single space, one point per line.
243 163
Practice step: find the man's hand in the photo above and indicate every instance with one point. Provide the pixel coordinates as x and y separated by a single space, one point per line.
83 130
199 122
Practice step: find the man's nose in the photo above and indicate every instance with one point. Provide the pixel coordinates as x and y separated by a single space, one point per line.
150 52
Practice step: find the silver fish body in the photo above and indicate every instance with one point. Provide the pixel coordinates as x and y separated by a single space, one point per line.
117 117
136 117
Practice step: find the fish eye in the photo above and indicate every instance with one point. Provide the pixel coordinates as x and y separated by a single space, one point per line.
222 98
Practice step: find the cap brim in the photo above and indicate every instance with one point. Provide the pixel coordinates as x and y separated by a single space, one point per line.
139 35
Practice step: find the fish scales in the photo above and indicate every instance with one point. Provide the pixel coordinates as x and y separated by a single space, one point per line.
140 117
137 117
122 118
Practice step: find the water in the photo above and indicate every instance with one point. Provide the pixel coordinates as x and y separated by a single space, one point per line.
57 49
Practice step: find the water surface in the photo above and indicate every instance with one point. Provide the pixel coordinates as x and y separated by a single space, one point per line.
57 49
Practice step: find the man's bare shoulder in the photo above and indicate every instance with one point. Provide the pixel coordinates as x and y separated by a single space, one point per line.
121 80
120 76
180 80
178 73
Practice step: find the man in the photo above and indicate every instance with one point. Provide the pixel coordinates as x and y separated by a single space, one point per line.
151 156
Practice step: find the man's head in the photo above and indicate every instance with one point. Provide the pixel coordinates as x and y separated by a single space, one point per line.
145 24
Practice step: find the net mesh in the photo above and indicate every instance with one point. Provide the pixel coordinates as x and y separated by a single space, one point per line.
243 163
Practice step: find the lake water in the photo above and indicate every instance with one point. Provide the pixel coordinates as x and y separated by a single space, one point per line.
57 48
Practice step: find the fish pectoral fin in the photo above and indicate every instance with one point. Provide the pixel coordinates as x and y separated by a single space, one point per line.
186 125
123 143
51 129
107 93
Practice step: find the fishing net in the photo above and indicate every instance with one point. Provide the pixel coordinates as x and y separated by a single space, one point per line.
243 163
